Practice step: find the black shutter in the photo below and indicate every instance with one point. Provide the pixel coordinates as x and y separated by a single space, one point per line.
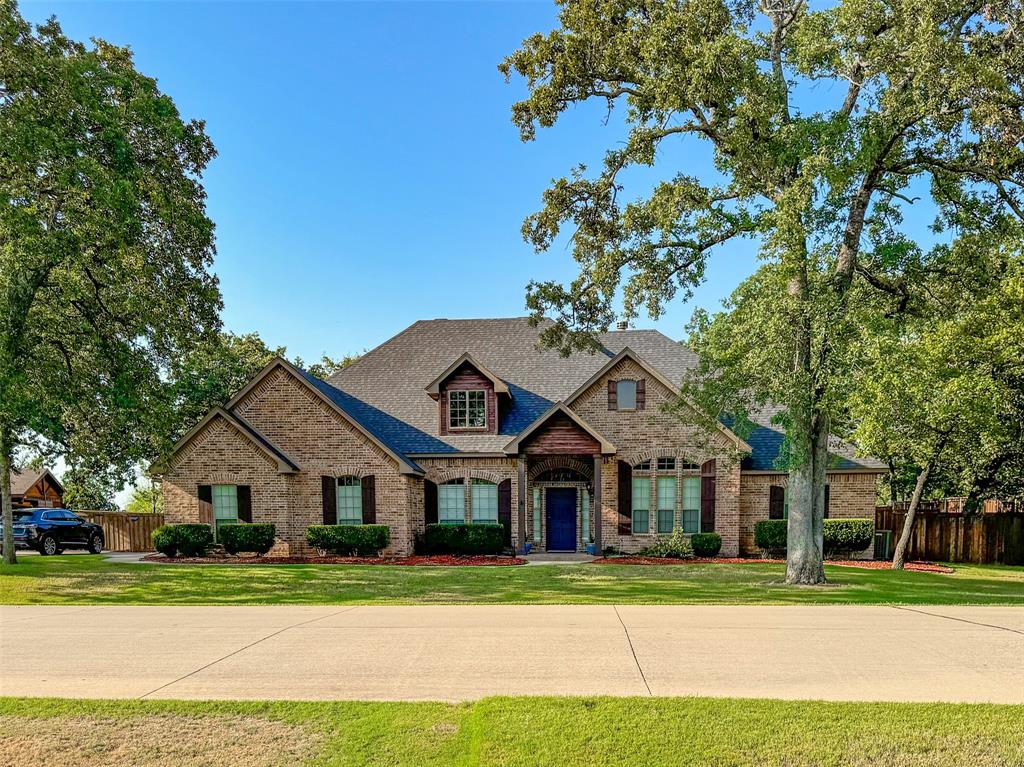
625 498
641 393
826 501
429 502
707 496
776 502
206 504
369 500
505 508
613 395
329 487
244 495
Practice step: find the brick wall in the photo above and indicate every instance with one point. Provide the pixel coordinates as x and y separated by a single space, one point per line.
652 433
851 496
313 435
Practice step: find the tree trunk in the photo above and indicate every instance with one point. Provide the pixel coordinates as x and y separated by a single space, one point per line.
900 555
5 499
805 526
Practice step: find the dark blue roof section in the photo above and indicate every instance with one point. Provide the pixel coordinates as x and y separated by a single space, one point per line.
398 436
525 408
766 444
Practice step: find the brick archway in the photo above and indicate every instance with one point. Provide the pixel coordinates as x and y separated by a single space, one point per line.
562 462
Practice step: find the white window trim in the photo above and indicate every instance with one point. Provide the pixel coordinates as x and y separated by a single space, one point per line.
467 392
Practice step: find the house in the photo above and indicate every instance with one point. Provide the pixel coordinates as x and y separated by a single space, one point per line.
36 488
469 420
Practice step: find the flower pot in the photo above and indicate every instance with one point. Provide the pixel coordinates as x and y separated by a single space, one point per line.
527 547
592 549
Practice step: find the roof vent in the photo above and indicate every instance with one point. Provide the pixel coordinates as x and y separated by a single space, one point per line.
622 325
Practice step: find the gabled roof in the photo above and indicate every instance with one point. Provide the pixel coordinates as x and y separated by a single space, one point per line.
607 448
285 465
347 407
628 353
433 388
23 481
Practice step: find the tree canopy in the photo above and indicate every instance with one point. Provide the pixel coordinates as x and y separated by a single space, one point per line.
825 125
105 249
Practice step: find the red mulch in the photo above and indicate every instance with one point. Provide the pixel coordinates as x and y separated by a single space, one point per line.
417 561
866 564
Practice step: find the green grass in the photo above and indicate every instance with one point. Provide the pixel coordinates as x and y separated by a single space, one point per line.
94 580
517 731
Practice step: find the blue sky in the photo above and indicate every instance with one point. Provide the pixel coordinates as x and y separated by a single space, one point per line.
368 173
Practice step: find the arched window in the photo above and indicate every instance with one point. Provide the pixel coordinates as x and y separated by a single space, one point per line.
484 501
665 490
451 502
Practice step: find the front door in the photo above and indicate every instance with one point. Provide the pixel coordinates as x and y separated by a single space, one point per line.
561 505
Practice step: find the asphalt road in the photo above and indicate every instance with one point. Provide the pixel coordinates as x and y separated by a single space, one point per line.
456 653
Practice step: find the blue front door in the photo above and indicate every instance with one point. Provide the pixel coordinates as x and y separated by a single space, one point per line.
561 503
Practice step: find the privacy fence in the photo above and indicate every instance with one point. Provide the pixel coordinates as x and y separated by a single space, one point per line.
123 531
994 537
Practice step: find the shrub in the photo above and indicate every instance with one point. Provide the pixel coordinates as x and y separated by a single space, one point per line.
839 536
464 539
706 544
165 541
845 536
247 537
770 536
675 546
349 540
187 540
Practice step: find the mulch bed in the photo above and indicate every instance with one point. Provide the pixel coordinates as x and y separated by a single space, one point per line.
417 561
866 564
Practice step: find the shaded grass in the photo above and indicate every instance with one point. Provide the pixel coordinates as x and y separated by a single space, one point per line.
94 580
561 731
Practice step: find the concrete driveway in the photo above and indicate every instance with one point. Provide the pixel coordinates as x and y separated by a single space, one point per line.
458 653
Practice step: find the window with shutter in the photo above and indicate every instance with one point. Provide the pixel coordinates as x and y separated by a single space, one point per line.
349 501
776 502
451 502
484 500
626 394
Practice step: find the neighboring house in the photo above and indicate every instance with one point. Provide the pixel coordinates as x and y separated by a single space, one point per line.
36 489
469 420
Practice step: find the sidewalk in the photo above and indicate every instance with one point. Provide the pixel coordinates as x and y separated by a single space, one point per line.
457 653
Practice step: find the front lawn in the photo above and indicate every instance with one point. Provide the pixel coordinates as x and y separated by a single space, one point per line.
84 579
510 731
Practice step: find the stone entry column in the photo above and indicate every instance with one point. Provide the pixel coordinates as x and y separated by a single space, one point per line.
596 510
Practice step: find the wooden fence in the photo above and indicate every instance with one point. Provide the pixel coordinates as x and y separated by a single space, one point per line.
123 531
956 506
954 537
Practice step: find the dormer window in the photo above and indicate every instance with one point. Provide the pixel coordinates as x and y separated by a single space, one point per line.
467 409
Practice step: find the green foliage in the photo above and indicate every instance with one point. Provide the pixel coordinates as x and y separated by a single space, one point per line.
236 539
821 120
840 536
89 490
187 540
706 544
105 247
464 539
676 545
770 536
147 499
349 540
847 536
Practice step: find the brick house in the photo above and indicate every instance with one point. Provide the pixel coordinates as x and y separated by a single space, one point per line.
469 420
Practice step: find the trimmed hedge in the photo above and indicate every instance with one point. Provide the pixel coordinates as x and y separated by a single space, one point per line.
675 546
840 536
706 545
247 537
770 536
349 540
187 540
846 536
464 539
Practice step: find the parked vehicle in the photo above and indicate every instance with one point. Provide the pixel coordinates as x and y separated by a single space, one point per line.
50 531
